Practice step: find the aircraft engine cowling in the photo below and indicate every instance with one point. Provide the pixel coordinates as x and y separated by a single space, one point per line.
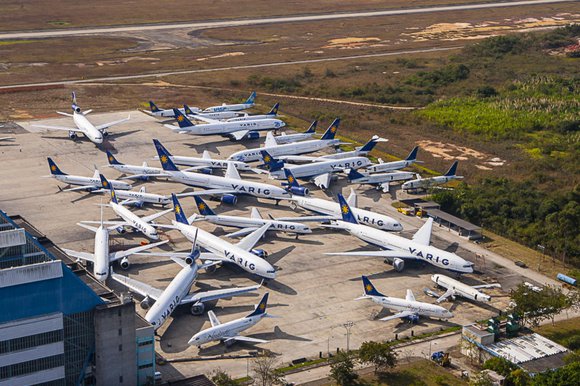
399 264
206 170
120 229
145 303
189 260
414 319
299 191
105 133
138 204
229 199
72 134
125 263
143 178
197 309
260 253
253 135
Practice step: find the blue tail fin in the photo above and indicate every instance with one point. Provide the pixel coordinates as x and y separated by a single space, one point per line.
54 169
271 163
252 98
153 107
179 215
345 210
353 175
332 129
312 128
274 110
261 307
452 170
164 157
112 159
413 154
370 288
204 210
104 182
187 110
291 179
370 145
181 119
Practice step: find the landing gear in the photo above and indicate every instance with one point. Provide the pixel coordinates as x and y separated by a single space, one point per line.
105 133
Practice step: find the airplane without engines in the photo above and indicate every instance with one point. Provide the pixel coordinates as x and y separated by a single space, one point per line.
395 165
220 115
143 172
290 138
382 181
248 104
85 183
456 288
166 113
358 152
426 183
273 113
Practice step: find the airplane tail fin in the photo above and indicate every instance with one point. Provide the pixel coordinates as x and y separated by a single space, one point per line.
353 174
74 104
452 170
104 182
204 210
261 307
181 119
291 179
370 145
369 288
112 159
345 210
54 170
187 110
179 215
252 98
256 213
164 157
332 129
413 154
271 163
153 107
274 110
312 128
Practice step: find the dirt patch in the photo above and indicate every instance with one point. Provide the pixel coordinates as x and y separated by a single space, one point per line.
449 152
351 42
222 56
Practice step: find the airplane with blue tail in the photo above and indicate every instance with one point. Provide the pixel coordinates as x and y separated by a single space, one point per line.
360 151
395 165
85 183
382 181
143 172
248 104
284 138
167 113
426 183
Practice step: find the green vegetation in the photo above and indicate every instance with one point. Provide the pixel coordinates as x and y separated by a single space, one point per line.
568 375
536 306
514 376
286 369
381 355
342 369
221 378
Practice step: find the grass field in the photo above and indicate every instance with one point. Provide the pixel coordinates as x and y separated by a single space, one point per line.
565 332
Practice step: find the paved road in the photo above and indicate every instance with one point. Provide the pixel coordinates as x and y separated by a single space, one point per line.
196 71
271 20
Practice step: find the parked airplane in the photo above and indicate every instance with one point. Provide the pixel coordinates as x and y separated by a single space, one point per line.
102 258
304 147
290 138
6 138
227 187
82 125
409 308
220 115
273 113
143 172
319 173
86 183
359 151
425 183
457 288
206 164
397 249
381 181
241 254
248 225
166 113
177 292
130 219
249 103
330 210
229 332
395 165
234 130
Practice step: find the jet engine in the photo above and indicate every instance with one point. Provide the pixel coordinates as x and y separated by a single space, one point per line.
125 263
146 303
105 133
253 135
197 309
120 229
299 191
399 264
413 319
229 199
138 204
260 253
72 134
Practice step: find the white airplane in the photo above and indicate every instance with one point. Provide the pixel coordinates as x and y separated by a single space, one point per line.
456 288
102 258
6 138
229 332
319 173
381 181
330 210
425 183
166 113
248 225
143 172
130 219
408 308
249 103
273 113
82 125
395 165
359 151
177 292
86 183
397 249
327 140
234 130
220 115
241 254
227 187
206 164
290 138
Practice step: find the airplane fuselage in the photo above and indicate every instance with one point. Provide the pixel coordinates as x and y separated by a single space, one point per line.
89 181
245 222
251 118
305 147
290 138
135 169
425 183
317 168
88 129
234 107
220 115
225 330
135 221
144 197
225 128
209 163
380 178
418 308
101 254
460 288
389 166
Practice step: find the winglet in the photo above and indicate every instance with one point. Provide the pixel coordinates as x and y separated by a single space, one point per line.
111 158
54 170
261 307
164 157
332 129
345 210
181 119
202 207
179 215
369 288
452 170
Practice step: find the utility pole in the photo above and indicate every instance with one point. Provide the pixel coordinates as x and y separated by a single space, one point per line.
348 325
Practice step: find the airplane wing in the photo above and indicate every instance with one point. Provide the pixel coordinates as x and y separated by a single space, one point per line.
153 216
245 339
410 297
389 254
238 135
76 130
109 124
322 180
308 218
400 315
423 235
141 288
213 319
207 296
252 239
80 255
448 293
242 232
494 285
204 119
114 256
